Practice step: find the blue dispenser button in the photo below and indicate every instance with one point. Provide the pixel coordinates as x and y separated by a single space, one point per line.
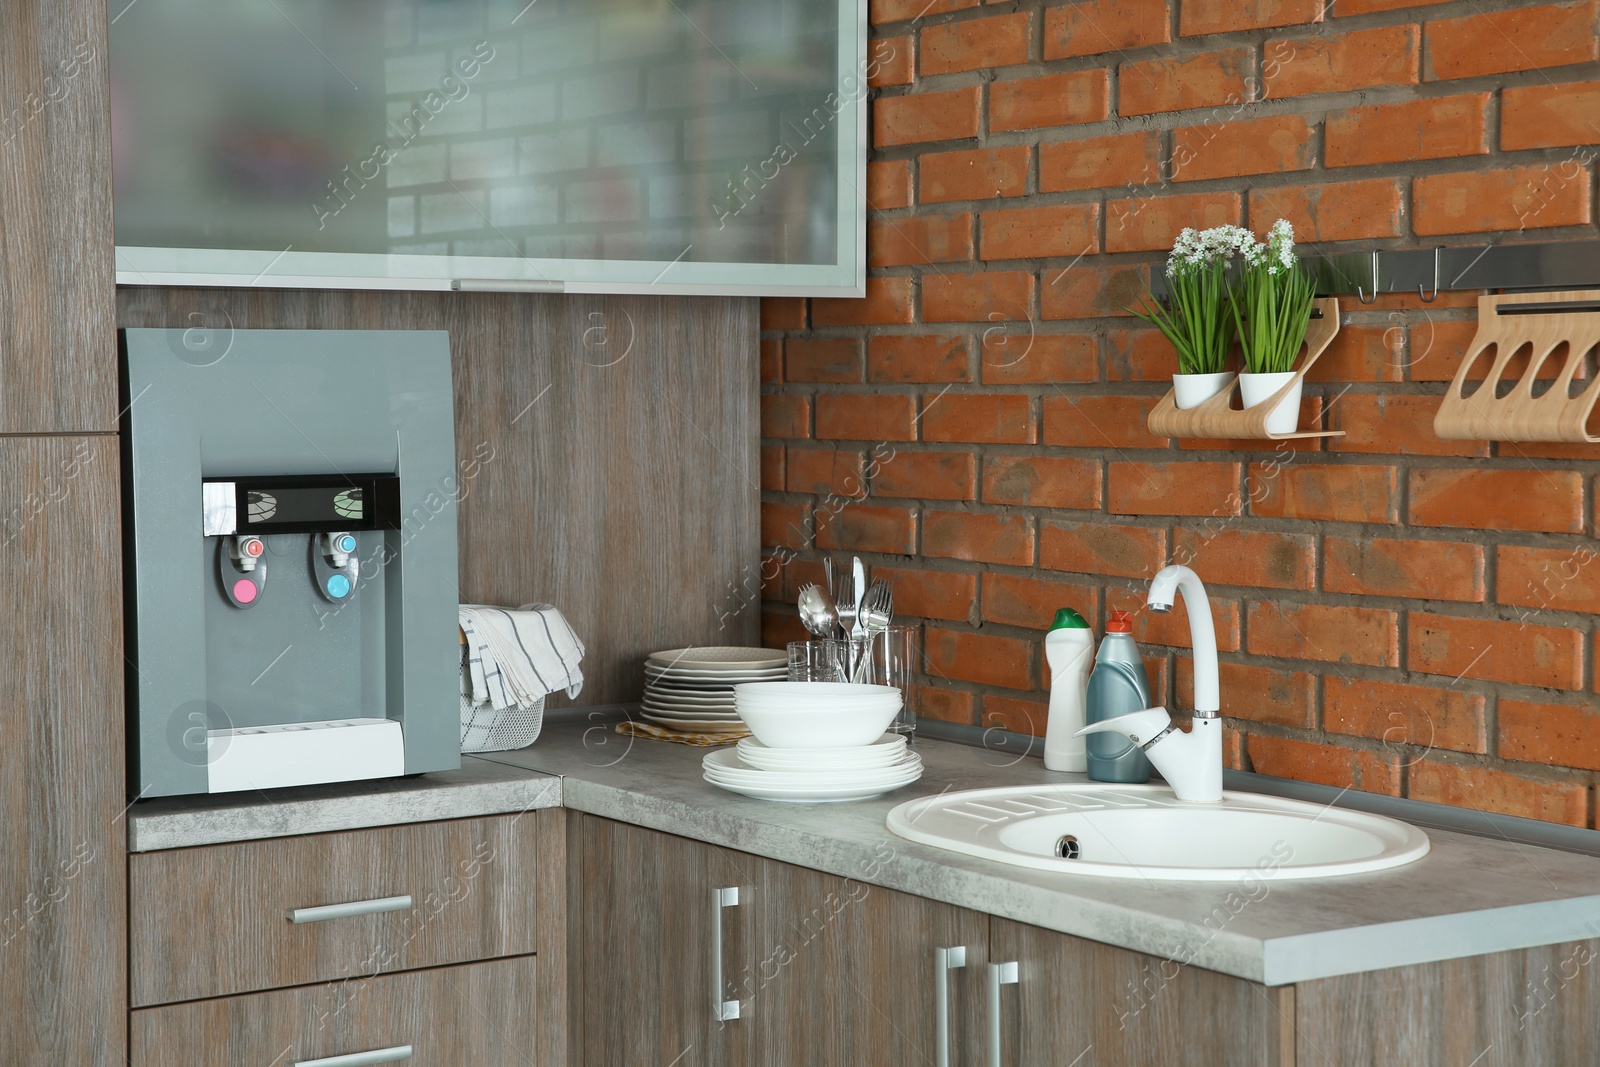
338 586
347 543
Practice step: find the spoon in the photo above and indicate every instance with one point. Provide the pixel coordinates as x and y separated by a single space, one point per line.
817 613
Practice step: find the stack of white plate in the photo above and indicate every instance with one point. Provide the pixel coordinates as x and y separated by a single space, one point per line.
691 689
814 775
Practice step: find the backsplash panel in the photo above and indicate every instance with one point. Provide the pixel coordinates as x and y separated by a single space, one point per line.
1395 613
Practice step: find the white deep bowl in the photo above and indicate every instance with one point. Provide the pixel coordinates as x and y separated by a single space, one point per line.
813 691
818 723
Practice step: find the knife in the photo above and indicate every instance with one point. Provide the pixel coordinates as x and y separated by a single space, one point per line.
860 573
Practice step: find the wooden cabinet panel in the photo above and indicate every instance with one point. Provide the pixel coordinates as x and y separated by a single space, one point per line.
844 972
58 348
1536 1007
63 993
1082 1002
642 965
214 921
481 1014
602 442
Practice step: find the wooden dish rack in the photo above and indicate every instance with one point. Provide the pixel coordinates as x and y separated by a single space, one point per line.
1538 324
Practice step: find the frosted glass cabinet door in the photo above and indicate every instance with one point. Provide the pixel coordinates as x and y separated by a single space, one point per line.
586 145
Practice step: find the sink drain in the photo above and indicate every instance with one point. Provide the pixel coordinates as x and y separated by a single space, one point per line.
1067 847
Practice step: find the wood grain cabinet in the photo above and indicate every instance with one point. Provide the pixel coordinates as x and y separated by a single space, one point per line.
482 1014
226 919
831 970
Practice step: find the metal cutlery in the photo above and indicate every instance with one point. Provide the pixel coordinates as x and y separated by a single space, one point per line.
847 619
876 614
817 613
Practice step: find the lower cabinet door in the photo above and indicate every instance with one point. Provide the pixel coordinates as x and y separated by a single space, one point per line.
482 1014
659 932
848 973
1070 1001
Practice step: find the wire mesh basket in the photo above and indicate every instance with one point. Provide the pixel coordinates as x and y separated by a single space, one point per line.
485 728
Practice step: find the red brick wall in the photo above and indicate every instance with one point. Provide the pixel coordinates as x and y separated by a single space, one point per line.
1399 613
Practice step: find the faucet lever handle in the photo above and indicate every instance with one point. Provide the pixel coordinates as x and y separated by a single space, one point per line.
1140 727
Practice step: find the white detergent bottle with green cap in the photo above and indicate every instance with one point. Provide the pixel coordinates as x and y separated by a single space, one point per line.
1068 648
1118 686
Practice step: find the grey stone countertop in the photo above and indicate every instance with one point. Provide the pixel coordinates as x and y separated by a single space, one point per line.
1469 896
480 787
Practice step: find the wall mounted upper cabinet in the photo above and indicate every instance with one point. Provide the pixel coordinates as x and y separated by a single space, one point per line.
620 146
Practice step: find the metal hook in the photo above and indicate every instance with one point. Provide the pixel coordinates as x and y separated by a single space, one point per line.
1361 294
1420 295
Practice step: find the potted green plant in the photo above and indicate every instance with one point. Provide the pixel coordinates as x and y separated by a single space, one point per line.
1271 303
1195 314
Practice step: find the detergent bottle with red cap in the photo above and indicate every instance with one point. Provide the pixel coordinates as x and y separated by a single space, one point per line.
1118 686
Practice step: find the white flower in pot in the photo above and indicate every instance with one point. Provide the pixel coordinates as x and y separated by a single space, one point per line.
1195 315
1272 302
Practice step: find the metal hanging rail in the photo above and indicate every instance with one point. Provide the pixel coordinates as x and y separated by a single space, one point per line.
1427 271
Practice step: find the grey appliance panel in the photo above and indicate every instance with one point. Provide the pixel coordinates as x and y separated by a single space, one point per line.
302 402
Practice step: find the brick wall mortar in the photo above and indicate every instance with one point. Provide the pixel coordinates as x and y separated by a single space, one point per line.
1391 627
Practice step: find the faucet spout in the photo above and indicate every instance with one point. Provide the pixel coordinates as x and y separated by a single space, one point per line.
1190 762
1202 632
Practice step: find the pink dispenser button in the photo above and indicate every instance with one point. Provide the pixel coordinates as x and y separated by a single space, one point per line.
244 591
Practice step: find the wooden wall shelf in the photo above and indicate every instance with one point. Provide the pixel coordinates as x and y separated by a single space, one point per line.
1512 324
1219 418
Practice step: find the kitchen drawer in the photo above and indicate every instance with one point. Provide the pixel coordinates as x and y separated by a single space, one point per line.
215 921
478 1014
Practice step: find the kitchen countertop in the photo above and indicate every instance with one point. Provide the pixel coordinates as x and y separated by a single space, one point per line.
1469 896
480 787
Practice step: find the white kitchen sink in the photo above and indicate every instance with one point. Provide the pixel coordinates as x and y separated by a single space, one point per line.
1143 831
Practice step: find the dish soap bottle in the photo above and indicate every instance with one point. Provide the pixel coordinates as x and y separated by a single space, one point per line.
1117 686
1068 648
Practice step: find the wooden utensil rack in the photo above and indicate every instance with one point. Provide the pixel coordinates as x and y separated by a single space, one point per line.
1536 325
1218 418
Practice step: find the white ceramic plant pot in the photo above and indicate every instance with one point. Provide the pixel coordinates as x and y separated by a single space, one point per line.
1258 389
1192 390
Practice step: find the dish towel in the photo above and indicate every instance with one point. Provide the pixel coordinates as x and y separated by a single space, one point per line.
515 657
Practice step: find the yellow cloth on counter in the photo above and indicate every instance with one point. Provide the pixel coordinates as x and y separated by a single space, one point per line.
683 737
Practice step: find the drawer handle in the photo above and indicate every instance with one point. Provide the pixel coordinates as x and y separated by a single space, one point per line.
360 1059
945 960
721 1010
344 911
999 974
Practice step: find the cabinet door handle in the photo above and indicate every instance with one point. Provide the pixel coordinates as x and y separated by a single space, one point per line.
945 960
722 1009
999 974
360 1059
343 911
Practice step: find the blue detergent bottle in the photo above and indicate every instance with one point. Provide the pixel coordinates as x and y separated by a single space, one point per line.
1118 686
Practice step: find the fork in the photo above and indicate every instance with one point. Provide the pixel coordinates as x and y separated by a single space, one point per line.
876 614
846 605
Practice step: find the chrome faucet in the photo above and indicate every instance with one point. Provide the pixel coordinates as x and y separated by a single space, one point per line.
1190 762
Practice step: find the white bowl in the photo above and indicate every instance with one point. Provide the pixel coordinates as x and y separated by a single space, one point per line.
813 690
819 726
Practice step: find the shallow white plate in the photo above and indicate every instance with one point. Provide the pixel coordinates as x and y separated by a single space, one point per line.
692 715
697 700
711 657
793 795
727 678
726 766
696 726
882 753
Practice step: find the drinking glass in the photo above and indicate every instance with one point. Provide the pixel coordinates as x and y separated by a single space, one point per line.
817 661
894 662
